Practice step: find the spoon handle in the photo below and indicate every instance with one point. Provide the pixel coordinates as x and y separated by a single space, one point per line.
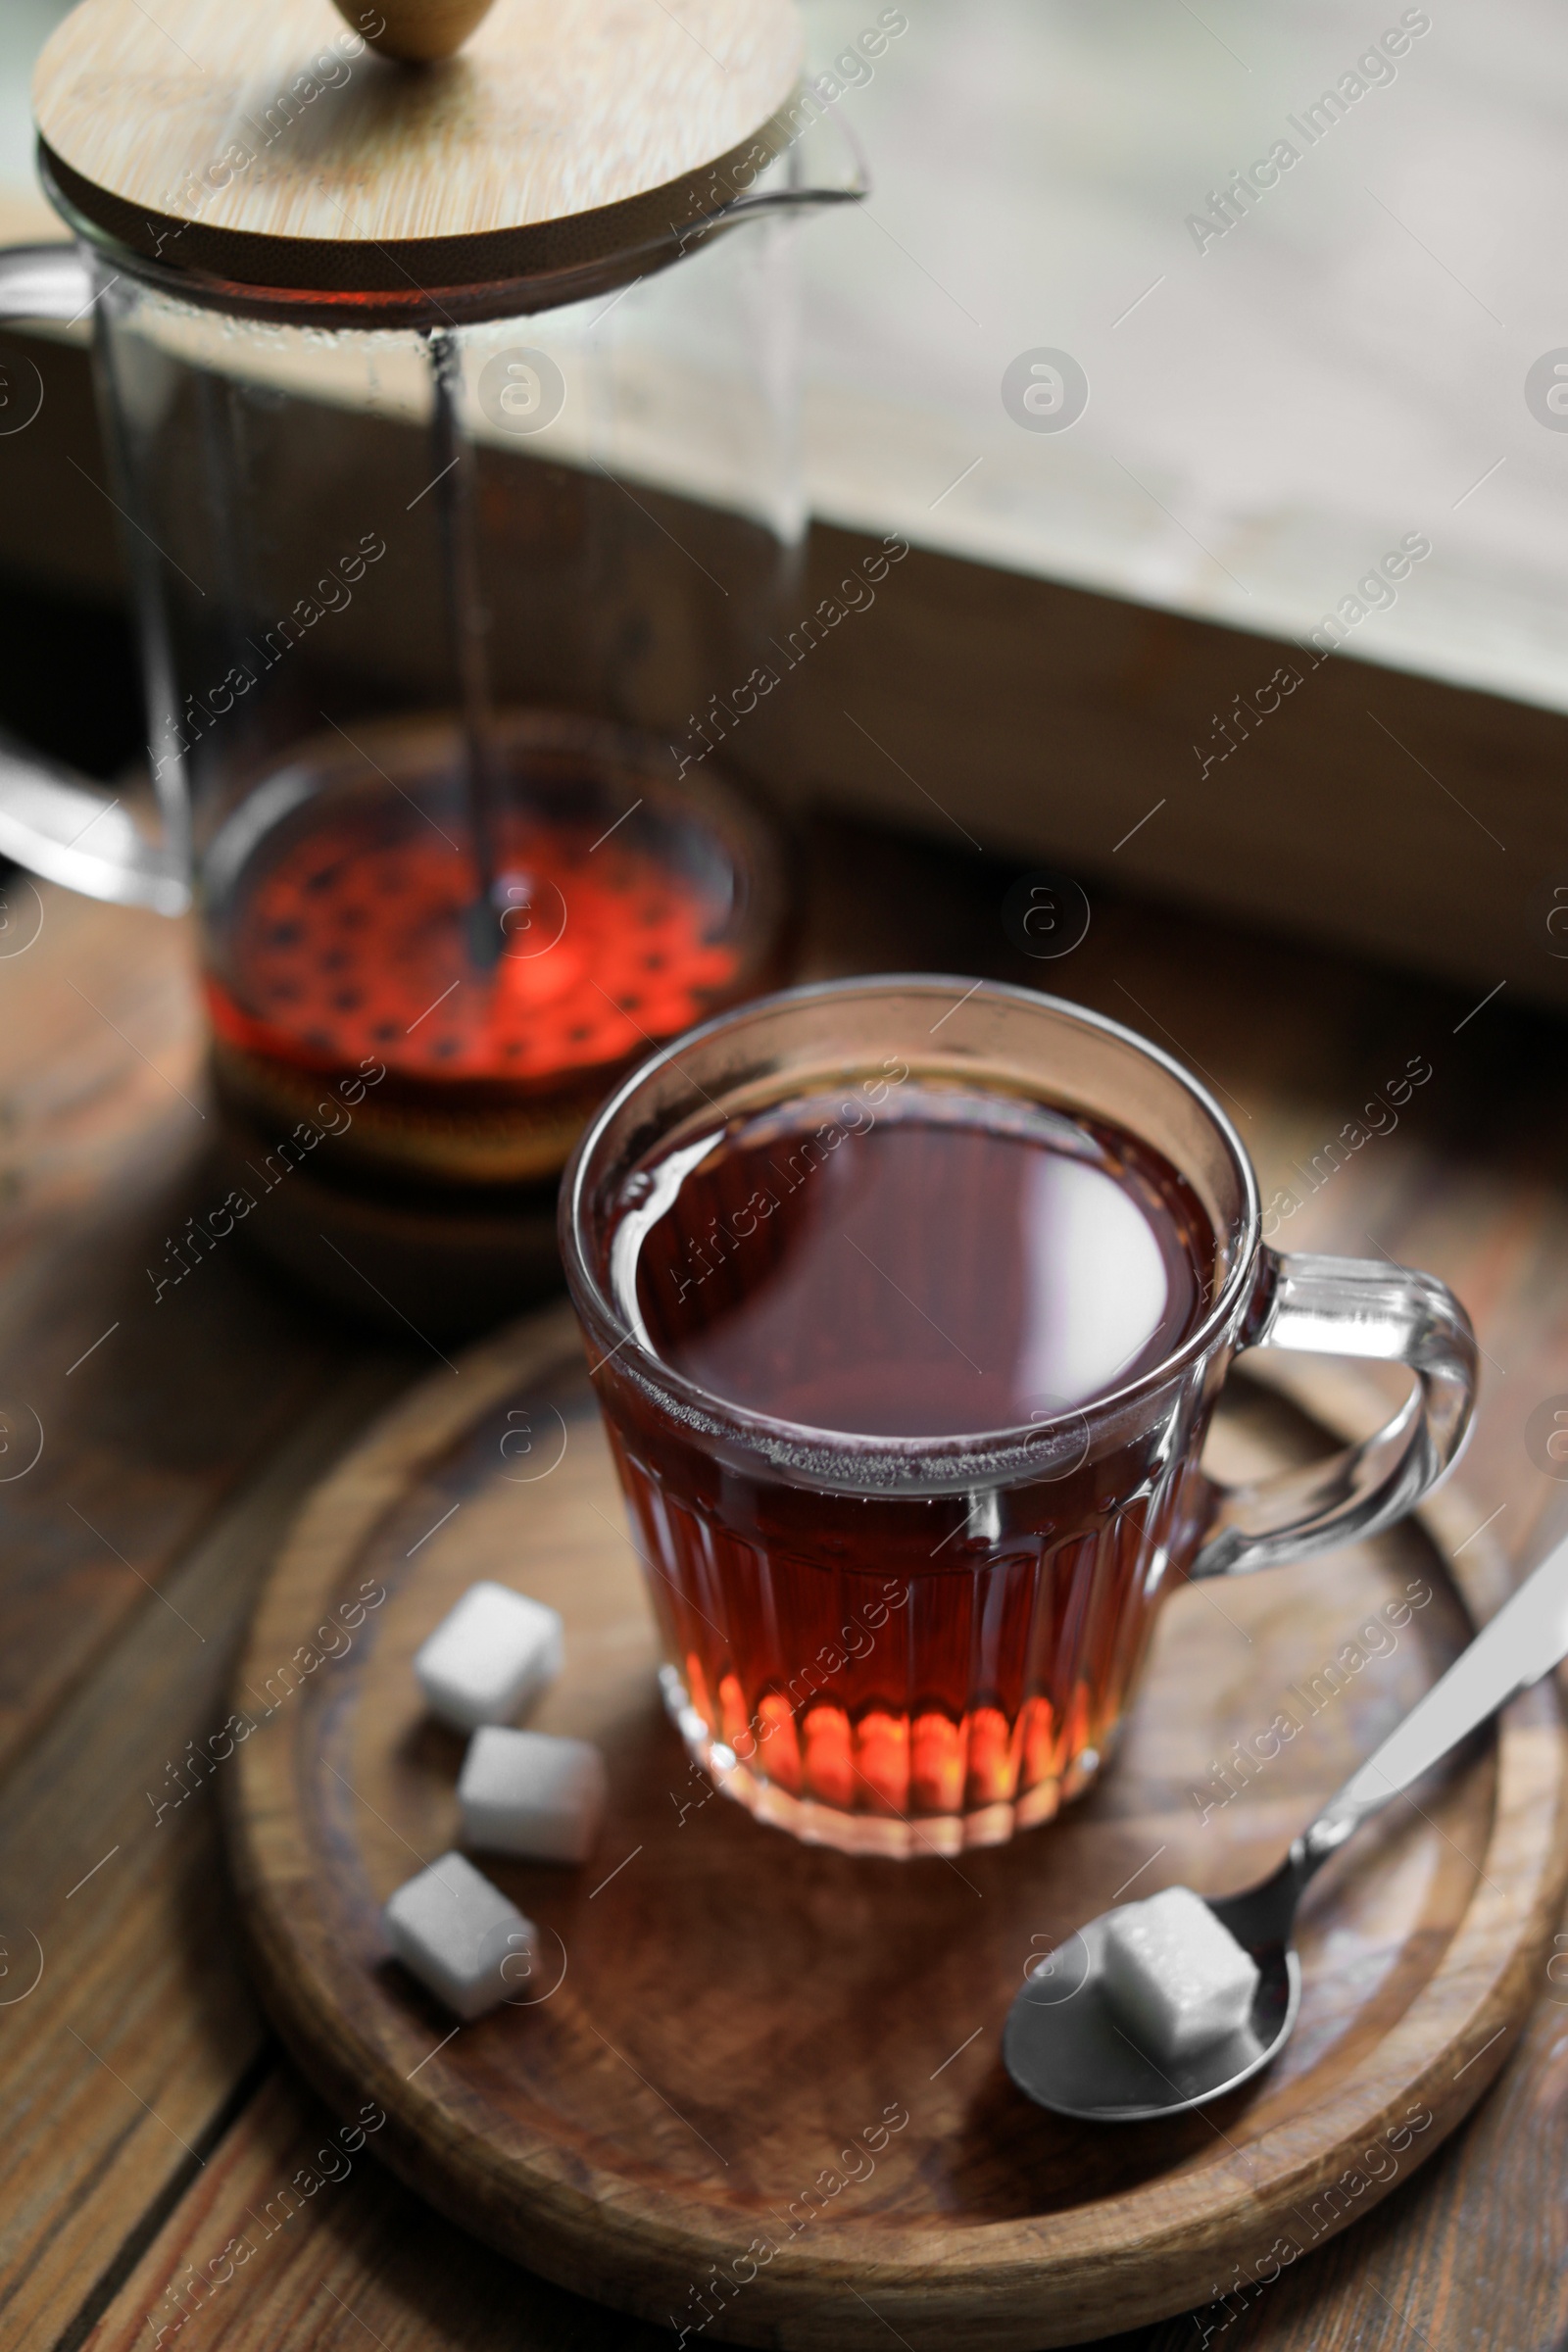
1525 1639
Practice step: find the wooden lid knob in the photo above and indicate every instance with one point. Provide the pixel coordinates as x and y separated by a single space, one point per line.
416 31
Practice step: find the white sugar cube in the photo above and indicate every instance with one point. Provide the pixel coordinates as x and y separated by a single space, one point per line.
461 1937
528 1793
488 1656
1179 1977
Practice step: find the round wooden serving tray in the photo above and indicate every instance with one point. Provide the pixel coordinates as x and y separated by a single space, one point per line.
764 2096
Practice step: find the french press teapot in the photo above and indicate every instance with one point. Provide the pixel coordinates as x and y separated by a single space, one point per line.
446 362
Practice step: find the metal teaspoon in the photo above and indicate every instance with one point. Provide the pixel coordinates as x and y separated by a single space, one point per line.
1064 2044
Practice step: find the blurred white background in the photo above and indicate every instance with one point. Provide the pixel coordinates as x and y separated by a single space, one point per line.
1267 418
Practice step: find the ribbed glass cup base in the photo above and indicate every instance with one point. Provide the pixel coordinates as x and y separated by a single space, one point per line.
901 1837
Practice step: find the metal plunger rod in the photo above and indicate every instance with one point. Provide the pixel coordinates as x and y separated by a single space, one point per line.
454 460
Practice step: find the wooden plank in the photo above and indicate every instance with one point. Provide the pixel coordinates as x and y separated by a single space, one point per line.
148 1412
359 2260
1379 813
171 1456
128 2025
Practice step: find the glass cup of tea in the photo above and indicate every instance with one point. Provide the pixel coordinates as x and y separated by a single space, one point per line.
907 1302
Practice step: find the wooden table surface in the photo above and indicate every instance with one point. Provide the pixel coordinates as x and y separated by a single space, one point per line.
148 2117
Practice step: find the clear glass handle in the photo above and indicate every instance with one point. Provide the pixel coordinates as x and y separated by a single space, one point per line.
1350 1306
53 821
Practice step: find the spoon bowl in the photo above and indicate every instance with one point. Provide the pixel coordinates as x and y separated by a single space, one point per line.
1065 2046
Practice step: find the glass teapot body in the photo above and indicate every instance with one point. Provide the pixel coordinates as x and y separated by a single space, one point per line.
431 620
453 425
451 634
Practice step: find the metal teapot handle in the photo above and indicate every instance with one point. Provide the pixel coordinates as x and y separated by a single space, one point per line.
52 820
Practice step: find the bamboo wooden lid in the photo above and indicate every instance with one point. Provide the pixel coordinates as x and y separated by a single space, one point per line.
262 144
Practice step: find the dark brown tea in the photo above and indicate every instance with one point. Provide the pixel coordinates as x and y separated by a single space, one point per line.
965 1263
907 1258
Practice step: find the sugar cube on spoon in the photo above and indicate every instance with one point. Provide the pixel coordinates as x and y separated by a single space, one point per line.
528 1793
1179 1980
461 1937
490 1654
